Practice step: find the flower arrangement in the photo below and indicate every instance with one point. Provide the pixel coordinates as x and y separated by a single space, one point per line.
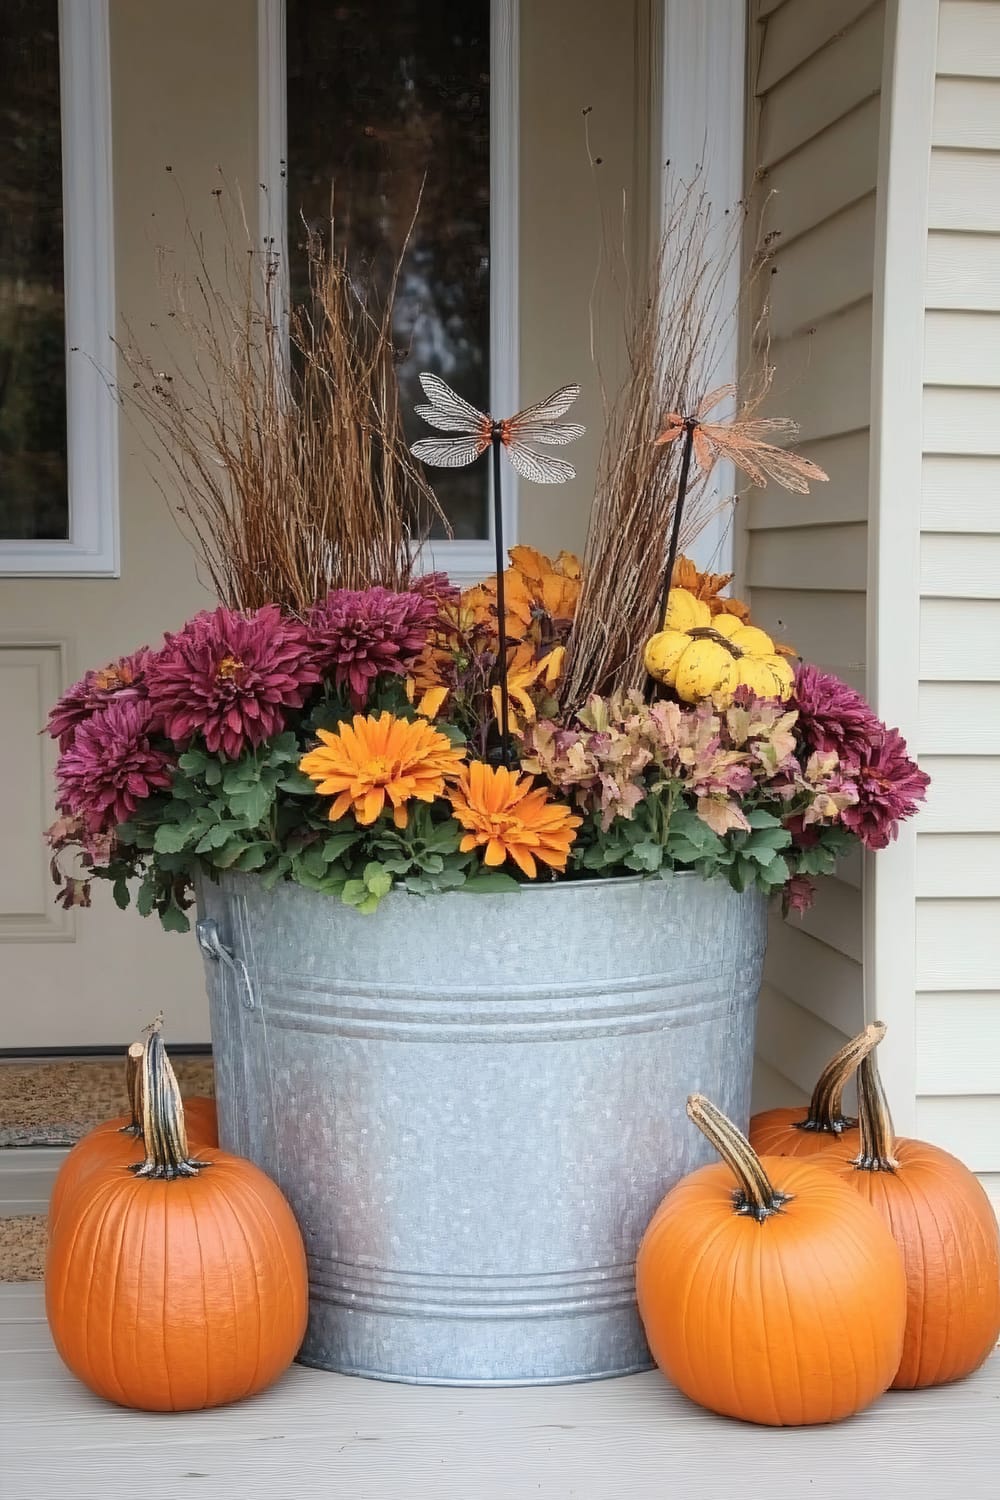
353 750
344 723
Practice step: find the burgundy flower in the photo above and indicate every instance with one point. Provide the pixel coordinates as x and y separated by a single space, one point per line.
436 586
798 895
231 678
357 636
890 787
832 716
111 766
120 681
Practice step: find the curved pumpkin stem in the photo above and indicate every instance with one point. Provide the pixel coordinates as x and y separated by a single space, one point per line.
826 1105
133 1088
878 1139
755 1195
163 1117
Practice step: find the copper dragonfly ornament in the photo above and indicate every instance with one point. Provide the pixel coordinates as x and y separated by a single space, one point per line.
742 440
476 431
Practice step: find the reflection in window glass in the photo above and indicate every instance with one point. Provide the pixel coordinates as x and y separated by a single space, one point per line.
380 99
33 495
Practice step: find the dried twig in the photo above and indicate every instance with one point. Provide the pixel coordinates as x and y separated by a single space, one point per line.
282 438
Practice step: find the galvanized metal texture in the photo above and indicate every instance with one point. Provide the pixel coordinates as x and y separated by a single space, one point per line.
475 1103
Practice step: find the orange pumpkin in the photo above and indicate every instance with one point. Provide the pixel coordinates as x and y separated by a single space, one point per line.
945 1226
180 1284
822 1128
765 1294
118 1142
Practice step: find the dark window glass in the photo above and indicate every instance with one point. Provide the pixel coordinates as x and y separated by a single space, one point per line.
33 495
381 97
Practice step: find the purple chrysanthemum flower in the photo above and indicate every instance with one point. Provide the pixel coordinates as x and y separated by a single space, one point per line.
111 766
357 636
120 681
436 586
890 787
231 678
832 716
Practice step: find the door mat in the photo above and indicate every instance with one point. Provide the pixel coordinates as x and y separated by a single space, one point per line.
55 1103
22 1248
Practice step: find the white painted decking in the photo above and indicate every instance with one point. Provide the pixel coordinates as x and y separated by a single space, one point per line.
315 1436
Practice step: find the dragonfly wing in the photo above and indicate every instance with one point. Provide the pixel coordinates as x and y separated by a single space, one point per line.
544 432
449 453
448 403
549 410
540 468
446 421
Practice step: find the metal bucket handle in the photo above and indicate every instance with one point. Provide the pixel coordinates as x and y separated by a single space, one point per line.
211 944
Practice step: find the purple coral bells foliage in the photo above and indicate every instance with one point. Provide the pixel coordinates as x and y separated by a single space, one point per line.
357 636
231 678
890 786
832 716
120 681
111 766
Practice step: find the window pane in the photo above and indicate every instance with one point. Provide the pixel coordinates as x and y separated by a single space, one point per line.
377 98
33 495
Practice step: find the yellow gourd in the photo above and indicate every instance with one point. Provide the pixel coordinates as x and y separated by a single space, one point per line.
704 657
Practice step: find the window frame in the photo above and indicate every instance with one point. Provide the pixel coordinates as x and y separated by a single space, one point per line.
465 561
92 548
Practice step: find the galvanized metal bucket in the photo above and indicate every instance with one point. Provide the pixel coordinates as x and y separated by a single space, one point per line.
474 1104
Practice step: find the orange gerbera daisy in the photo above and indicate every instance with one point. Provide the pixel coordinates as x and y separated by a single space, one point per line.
512 818
379 757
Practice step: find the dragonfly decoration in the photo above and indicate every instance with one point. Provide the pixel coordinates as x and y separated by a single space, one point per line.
744 442
472 433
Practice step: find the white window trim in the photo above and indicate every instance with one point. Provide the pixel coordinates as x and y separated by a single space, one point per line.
465 561
702 51
88 241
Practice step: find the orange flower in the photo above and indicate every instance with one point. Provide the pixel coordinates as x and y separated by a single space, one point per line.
512 818
373 758
708 586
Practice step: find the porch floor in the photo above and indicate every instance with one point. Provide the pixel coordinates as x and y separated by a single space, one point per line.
323 1434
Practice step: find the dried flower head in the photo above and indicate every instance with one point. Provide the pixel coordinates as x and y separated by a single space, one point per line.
231 678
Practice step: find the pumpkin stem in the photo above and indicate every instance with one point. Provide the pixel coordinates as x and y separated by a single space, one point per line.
878 1139
755 1195
163 1117
709 633
826 1105
133 1088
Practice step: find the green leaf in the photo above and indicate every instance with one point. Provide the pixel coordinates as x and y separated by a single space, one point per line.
225 857
120 892
252 803
759 817
173 919
314 861
378 880
354 892
192 761
339 844
145 898
490 882
213 773
171 838
645 856
217 835
298 783
254 857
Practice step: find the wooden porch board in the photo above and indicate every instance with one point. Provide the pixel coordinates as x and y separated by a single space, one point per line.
333 1436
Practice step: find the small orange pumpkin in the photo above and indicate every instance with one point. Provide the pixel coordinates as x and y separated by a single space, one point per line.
822 1129
118 1142
944 1224
764 1293
181 1283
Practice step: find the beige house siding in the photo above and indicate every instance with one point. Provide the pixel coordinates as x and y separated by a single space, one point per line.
958 841
813 148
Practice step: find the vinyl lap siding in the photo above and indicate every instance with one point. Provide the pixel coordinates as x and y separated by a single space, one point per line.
814 139
958 846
